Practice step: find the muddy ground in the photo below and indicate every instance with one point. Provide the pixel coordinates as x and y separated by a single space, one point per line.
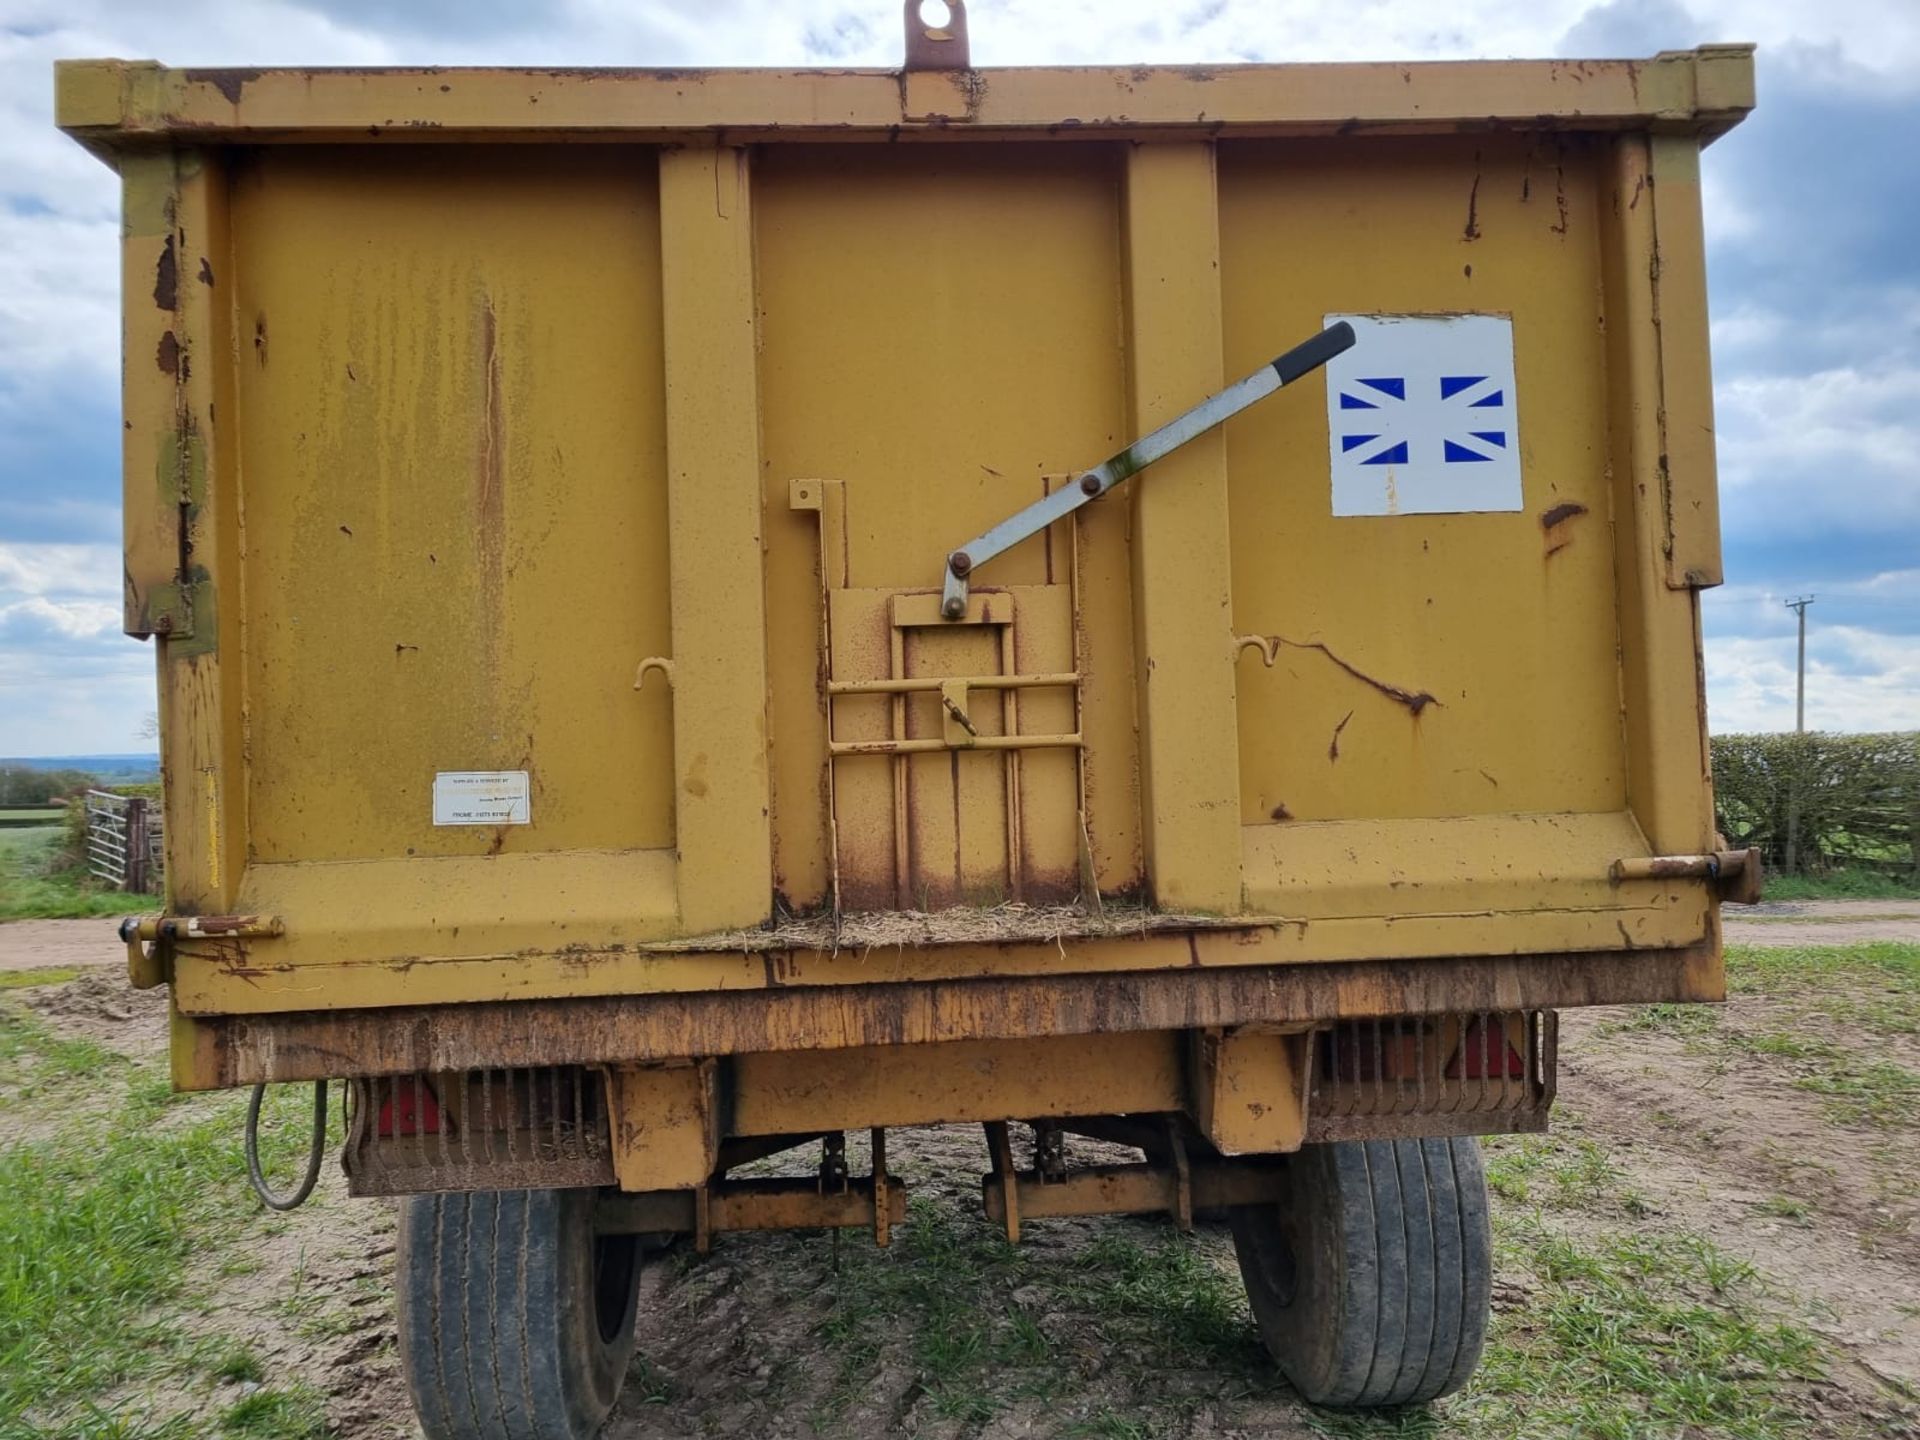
1740 1134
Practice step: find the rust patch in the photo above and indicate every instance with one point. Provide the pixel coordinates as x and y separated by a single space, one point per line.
1565 510
489 483
311 1045
1551 520
1280 812
230 83
166 278
206 271
1333 746
1270 646
347 531
168 356
1472 232
260 339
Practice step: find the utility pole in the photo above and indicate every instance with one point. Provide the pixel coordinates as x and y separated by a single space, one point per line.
1799 606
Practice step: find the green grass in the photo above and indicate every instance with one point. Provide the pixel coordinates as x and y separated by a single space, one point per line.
1565 1169
36 885
1844 885
1766 969
238 1365
46 975
103 1227
294 1413
1665 1018
34 1061
1637 1334
1784 1207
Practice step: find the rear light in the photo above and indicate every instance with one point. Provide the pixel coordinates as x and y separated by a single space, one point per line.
409 1110
1482 1045
1360 1052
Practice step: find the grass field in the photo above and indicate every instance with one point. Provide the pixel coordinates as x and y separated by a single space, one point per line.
117 1228
1844 885
36 885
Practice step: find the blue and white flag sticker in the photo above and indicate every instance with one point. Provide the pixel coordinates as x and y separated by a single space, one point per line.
1421 416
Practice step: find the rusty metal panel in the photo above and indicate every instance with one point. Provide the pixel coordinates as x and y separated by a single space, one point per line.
666 1124
625 507
237 1050
489 1129
110 103
1481 1073
864 1086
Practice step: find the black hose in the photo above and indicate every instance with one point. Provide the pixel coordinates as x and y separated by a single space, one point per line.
316 1151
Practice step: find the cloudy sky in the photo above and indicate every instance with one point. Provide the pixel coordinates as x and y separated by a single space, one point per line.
1813 205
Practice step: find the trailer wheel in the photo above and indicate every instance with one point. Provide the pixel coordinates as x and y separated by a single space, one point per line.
515 1319
1371 1284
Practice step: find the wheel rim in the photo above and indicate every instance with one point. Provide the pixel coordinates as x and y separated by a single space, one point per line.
615 1258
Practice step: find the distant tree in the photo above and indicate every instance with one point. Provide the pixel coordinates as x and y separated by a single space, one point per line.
149 726
20 785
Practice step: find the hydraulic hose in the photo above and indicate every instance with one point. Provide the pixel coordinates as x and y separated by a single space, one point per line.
316 1151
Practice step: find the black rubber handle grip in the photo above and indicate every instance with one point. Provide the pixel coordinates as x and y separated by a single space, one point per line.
1310 355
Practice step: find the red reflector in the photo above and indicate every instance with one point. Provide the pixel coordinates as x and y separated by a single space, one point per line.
410 1109
1362 1053
1479 1055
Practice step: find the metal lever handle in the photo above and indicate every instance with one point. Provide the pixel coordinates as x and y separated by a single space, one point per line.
1303 359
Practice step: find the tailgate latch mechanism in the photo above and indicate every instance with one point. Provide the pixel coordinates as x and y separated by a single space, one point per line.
1302 360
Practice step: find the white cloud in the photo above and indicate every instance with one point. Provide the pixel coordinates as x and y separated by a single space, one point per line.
1857 680
68 571
62 306
70 682
1833 448
74 619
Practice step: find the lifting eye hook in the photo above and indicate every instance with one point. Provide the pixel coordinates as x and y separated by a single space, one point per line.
654 662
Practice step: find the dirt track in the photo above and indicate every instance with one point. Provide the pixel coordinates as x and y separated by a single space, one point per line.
57 944
1822 922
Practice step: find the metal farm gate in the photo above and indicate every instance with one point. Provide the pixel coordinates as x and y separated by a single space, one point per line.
124 841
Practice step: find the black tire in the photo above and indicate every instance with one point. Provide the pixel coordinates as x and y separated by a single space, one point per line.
1371 1283
516 1323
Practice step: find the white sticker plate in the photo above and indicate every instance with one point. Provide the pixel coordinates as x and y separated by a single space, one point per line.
482 797
1421 416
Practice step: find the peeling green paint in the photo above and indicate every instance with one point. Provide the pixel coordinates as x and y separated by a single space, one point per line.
147 188
202 635
181 610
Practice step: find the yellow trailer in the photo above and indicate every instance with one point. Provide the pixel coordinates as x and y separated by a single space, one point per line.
699 611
